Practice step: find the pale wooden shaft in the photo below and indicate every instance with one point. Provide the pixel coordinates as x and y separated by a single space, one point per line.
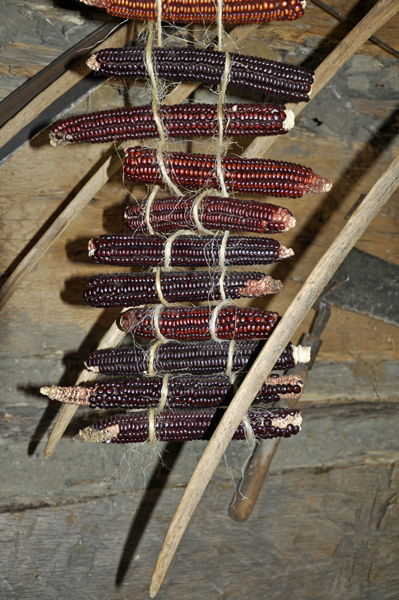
252 383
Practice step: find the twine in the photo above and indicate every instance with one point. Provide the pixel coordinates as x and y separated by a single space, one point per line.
155 322
195 209
168 246
159 22
148 207
220 151
230 357
164 393
221 285
151 357
158 287
155 105
222 252
151 427
249 432
214 316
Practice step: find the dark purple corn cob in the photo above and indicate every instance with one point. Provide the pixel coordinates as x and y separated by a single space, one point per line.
135 289
232 322
204 11
186 425
247 175
186 251
214 213
184 357
182 120
292 83
182 392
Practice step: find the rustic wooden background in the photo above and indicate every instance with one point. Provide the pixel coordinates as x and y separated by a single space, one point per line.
89 523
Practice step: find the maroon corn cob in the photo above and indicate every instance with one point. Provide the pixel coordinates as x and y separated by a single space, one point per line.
214 213
186 425
247 175
203 358
186 251
183 120
204 11
182 392
135 289
232 322
292 83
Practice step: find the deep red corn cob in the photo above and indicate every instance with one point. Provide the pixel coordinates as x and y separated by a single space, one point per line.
186 251
204 11
135 289
197 358
187 425
183 120
182 392
214 213
248 175
292 83
184 324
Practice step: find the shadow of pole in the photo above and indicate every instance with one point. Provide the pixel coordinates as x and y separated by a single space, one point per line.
148 502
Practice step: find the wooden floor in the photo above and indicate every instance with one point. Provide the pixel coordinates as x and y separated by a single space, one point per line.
89 523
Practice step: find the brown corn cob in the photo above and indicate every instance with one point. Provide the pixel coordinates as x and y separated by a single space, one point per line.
186 425
182 392
248 175
214 213
135 289
232 322
186 251
185 120
292 83
204 11
203 358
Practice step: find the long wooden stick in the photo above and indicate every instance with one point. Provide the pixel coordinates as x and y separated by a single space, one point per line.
375 18
88 191
64 83
252 383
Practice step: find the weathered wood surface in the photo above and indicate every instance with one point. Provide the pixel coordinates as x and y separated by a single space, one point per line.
80 525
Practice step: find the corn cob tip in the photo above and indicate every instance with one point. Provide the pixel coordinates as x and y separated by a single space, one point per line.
301 354
91 247
93 63
289 121
285 252
46 391
294 420
58 142
96 3
94 369
261 287
68 395
91 435
319 185
282 215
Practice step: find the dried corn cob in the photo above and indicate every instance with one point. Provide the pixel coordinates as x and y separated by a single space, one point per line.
179 392
204 11
187 357
186 425
292 83
248 175
186 251
214 213
135 289
232 322
179 121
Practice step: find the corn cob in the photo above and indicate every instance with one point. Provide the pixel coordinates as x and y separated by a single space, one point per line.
181 392
179 121
292 83
214 213
203 358
186 425
186 251
183 324
248 175
135 289
204 11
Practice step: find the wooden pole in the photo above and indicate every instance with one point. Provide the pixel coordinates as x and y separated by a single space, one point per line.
252 383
